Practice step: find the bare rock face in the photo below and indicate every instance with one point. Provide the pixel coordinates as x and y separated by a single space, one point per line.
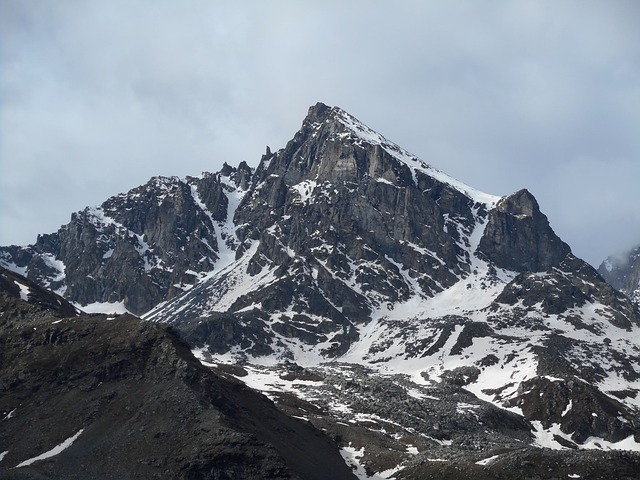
37 301
346 222
580 409
571 284
330 187
139 248
518 236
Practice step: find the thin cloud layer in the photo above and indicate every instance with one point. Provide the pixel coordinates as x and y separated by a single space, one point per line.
99 96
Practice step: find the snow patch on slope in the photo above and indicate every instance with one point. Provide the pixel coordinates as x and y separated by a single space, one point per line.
53 452
228 229
24 291
546 438
222 289
55 264
116 308
5 261
352 458
305 189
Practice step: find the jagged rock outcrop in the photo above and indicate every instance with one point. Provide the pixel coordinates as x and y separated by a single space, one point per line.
353 249
345 222
331 187
139 248
571 284
518 236
623 273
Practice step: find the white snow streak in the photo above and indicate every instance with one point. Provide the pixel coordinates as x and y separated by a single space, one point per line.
10 414
352 458
53 452
24 291
487 461
116 308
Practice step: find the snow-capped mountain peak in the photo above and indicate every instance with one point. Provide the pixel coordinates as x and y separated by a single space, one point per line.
343 247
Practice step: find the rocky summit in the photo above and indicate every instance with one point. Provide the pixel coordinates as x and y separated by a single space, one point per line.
429 330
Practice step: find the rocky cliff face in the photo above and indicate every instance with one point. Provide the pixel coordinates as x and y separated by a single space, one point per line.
138 248
341 223
354 250
43 301
518 236
623 273
339 195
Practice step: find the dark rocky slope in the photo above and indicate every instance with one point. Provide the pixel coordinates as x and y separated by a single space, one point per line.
145 407
41 301
533 464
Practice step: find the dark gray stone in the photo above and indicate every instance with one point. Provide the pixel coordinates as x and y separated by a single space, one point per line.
146 407
518 236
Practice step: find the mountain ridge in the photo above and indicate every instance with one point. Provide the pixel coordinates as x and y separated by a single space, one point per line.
508 279
132 402
344 260
138 248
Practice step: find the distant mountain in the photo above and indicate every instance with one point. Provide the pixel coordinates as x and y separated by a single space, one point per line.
425 326
623 273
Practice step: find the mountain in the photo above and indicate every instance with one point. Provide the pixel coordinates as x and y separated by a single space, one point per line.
91 396
139 248
623 273
426 327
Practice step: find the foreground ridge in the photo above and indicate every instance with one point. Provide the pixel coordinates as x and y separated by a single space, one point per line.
92 396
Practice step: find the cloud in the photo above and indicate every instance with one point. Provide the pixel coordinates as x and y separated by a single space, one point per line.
100 96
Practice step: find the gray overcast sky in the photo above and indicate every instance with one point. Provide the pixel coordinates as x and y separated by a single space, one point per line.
98 96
